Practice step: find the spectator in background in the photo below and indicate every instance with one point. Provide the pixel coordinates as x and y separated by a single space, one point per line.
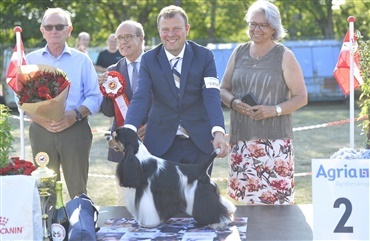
130 42
83 41
108 56
67 141
261 161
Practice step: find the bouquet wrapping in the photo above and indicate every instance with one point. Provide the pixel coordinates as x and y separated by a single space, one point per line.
42 90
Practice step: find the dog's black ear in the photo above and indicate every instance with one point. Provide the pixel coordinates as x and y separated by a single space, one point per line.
128 138
129 171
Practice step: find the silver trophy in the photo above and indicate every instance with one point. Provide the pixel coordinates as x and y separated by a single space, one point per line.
46 179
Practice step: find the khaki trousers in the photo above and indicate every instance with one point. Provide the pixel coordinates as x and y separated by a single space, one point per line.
69 149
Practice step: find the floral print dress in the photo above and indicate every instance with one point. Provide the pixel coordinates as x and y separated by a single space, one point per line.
261 172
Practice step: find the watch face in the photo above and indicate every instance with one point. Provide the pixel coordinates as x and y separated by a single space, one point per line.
278 110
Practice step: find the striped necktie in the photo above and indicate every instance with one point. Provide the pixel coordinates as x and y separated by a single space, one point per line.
176 74
134 77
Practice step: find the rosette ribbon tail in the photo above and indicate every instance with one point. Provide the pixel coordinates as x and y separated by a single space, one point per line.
120 109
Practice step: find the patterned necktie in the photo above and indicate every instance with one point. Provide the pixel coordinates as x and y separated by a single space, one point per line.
176 74
134 77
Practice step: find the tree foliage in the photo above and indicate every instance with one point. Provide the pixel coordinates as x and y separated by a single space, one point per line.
6 138
364 49
212 21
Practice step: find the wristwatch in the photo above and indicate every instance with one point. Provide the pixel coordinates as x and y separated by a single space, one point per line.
78 115
278 110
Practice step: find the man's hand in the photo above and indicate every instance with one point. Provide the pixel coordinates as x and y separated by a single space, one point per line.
68 119
220 142
141 132
102 78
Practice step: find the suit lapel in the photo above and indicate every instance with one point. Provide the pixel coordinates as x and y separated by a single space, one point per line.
186 62
163 61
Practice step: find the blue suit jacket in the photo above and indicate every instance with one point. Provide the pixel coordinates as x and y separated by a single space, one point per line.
197 108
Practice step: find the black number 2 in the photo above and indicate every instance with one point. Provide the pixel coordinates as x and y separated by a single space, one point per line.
340 228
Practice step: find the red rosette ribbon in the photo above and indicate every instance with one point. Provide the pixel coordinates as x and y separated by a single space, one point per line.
114 89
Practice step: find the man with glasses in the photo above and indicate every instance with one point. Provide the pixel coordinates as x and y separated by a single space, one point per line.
130 42
67 141
186 122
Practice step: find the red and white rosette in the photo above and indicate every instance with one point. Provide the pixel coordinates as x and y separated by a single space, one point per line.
114 89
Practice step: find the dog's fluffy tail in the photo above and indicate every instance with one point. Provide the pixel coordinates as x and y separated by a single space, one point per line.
213 210
209 208
212 157
199 171
207 164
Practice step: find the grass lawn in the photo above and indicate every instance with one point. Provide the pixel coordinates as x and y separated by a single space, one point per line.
309 144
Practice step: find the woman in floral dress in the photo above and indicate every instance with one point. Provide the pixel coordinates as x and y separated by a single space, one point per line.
261 162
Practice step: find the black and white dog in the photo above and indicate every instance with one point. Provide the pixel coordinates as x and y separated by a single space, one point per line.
157 189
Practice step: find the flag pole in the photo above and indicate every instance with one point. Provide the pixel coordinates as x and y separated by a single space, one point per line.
351 20
18 31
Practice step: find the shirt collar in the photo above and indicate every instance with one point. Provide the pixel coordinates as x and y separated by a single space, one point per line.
171 56
137 60
66 49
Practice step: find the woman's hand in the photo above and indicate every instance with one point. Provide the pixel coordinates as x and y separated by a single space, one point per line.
243 108
263 112
257 112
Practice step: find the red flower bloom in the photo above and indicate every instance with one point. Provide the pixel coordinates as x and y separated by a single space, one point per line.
44 85
18 167
43 92
61 80
24 98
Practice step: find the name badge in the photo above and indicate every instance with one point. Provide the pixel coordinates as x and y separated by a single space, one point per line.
211 82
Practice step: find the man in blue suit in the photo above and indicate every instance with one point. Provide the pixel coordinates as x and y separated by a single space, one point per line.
185 122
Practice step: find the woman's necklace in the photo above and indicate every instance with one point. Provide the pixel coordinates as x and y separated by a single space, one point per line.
254 53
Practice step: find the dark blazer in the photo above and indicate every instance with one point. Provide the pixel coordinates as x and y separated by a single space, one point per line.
197 108
107 107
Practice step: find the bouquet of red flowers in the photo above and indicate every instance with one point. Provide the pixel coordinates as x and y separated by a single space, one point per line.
42 90
17 167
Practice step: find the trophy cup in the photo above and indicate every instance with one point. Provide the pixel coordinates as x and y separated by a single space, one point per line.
46 179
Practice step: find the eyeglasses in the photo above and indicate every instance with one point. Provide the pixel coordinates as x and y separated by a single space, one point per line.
58 27
126 37
262 26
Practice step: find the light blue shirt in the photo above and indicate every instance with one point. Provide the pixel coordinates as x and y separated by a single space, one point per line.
84 88
130 68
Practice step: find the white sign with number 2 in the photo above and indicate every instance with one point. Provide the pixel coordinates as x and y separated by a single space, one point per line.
340 198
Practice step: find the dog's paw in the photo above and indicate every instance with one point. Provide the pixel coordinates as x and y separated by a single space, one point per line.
147 225
219 226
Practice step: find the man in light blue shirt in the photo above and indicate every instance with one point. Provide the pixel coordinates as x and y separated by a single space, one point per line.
67 141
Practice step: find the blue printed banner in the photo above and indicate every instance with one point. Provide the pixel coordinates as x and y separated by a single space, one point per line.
175 229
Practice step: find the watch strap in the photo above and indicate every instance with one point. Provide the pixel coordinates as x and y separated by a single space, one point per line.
78 115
